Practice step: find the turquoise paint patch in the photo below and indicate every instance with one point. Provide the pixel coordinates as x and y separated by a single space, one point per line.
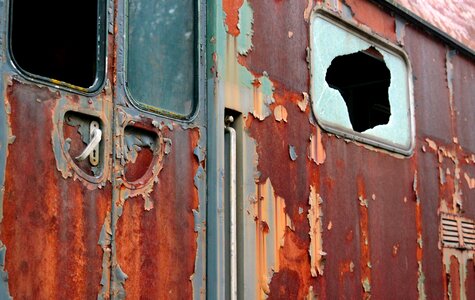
267 87
246 20
4 293
292 153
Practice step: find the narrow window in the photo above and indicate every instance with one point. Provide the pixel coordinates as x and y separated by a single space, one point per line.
161 73
362 79
57 40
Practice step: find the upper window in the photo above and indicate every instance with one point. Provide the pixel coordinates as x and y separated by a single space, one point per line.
360 85
58 41
161 72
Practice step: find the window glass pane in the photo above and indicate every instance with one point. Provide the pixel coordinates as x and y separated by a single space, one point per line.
160 65
56 39
360 88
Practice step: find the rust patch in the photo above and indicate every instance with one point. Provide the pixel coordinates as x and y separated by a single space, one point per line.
135 170
365 265
231 8
157 248
272 22
380 22
454 284
470 280
61 218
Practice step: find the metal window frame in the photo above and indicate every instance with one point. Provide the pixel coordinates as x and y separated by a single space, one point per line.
199 32
101 52
371 37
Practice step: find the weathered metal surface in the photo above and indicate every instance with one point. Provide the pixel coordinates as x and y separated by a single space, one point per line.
51 226
453 17
325 216
156 248
320 216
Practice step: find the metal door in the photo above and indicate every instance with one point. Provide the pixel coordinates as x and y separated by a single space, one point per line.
126 219
158 224
55 209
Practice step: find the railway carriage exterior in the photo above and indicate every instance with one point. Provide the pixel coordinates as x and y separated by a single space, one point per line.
237 149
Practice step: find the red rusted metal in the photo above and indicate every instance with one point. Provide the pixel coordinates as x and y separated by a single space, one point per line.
157 248
345 220
50 226
454 17
279 42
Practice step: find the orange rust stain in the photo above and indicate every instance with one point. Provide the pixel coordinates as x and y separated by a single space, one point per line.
157 248
293 280
261 232
419 251
455 277
346 269
365 262
51 225
231 9
367 13
470 279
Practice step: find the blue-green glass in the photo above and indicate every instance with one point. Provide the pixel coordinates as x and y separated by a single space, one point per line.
161 54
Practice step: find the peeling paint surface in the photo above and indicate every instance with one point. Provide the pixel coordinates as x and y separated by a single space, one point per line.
454 17
320 216
61 218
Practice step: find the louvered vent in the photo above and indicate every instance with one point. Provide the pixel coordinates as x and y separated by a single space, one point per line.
458 232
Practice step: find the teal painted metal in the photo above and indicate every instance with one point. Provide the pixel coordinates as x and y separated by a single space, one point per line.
161 38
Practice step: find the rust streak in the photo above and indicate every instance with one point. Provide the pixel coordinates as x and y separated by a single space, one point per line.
365 262
231 8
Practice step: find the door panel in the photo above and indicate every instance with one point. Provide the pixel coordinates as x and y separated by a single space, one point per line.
158 224
55 209
134 224
53 212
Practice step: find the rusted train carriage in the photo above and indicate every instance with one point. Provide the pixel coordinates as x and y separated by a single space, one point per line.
229 149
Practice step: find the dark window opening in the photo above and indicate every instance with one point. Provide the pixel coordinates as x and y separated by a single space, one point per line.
363 80
56 39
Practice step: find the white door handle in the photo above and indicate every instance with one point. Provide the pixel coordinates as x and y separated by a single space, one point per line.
96 135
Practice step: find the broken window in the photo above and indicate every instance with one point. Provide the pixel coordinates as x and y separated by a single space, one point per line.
363 80
58 40
360 85
161 72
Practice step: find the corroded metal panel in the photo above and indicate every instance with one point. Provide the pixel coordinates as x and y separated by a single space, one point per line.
157 247
433 118
51 223
463 78
453 17
325 216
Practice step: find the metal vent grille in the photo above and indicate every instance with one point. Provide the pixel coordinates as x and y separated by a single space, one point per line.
457 232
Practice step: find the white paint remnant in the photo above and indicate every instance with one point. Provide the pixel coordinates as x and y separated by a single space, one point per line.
315 216
431 144
316 152
304 102
308 10
470 181
280 113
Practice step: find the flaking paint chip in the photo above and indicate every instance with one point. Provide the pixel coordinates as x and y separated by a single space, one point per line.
292 153
291 34
304 102
280 113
